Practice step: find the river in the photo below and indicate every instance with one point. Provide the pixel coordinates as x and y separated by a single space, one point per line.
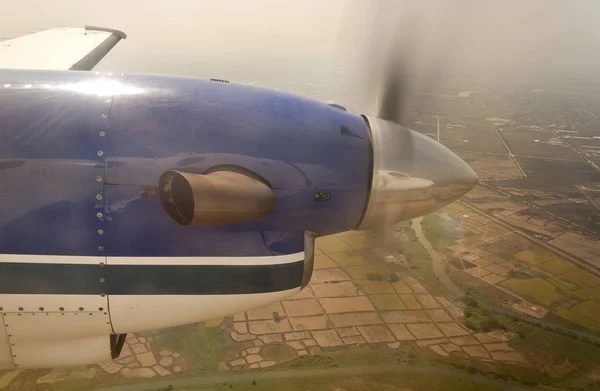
438 260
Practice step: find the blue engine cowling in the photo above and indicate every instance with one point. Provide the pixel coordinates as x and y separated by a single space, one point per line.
81 155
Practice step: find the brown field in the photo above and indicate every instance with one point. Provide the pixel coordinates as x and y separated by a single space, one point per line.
491 166
387 302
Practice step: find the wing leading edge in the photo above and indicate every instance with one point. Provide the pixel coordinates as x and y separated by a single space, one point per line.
77 49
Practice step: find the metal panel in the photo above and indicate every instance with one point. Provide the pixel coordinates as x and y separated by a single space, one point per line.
6 361
297 145
52 139
139 226
40 340
45 302
131 313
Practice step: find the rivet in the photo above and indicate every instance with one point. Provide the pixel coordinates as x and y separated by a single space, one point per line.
100 248
101 264
14 355
99 197
41 308
9 335
100 309
18 314
98 179
102 133
107 100
61 308
1 309
99 215
20 308
80 308
90 313
104 115
102 294
102 279
100 153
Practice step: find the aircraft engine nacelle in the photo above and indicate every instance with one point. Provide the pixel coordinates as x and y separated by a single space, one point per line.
137 202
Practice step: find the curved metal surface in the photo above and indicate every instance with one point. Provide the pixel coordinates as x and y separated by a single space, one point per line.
412 175
217 198
55 143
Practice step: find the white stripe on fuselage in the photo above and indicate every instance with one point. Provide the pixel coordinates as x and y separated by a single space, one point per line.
92 260
65 259
266 260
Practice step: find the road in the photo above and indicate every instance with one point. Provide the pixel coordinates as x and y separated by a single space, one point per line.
511 154
349 371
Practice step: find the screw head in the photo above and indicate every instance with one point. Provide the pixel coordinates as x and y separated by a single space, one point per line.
102 279
99 197
99 214
102 133
100 232
100 248
100 152
98 178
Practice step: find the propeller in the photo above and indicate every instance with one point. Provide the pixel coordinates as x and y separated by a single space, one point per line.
398 48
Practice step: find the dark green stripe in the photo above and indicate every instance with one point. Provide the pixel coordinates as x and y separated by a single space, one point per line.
85 279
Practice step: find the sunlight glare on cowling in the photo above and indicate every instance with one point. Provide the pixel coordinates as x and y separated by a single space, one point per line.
102 87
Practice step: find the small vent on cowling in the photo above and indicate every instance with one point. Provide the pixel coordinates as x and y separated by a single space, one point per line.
219 80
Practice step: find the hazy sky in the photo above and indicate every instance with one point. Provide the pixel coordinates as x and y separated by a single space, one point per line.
301 40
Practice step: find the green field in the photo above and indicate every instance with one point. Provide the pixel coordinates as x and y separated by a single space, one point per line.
577 318
534 255
536 289
581 278
591 293
557 266
396 380
589 309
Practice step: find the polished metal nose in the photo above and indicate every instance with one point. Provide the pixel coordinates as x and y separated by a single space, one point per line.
412 175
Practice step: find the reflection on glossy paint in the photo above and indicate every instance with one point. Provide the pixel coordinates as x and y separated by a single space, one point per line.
102 87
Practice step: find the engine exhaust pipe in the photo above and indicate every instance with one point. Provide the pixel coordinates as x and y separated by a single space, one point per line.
217 198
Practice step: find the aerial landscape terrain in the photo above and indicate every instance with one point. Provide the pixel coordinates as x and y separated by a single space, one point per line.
499 290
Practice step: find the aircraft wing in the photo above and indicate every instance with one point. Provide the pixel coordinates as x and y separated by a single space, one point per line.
78 49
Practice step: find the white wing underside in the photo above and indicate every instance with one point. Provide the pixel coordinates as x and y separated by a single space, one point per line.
59 49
